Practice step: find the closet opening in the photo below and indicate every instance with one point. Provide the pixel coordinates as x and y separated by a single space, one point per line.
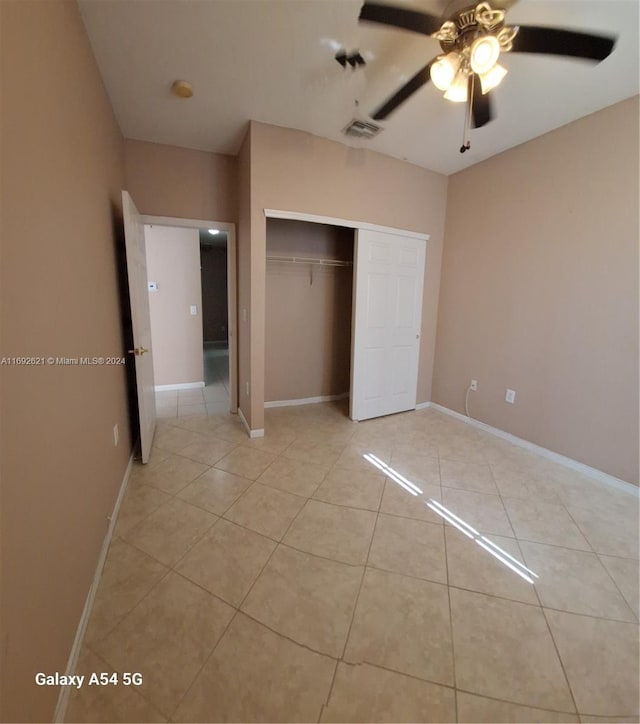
308 313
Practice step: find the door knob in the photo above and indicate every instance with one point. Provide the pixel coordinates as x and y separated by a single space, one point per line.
138 351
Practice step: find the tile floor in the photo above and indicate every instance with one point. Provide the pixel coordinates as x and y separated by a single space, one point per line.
292 579
211 399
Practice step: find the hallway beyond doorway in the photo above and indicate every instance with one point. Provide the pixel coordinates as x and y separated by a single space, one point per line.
216 365
211 399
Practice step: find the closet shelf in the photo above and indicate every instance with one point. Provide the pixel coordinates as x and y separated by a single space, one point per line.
309 260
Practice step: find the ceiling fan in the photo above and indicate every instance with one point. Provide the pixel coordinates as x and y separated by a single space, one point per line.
472 40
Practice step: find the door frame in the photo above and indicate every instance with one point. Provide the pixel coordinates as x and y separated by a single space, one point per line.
349 224
232 284
141 340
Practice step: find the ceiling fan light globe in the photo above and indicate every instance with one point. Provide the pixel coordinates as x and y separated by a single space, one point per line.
443 71
459 89
493 78
485 52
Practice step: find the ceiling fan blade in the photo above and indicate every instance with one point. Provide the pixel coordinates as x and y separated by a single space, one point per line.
554 41
399 17
481 105
400 96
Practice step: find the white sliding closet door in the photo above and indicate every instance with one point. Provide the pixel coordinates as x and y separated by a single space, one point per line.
387 312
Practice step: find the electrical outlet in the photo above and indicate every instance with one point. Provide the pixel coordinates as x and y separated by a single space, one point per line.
474 385
510 396
116 435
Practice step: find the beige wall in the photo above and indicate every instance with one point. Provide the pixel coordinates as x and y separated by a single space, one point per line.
171 181
295 171
540 291
308 325
62 170
173 261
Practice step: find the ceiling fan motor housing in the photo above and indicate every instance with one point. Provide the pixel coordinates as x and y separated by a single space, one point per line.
459 31
472 37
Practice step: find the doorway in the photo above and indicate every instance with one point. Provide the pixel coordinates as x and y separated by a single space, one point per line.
215 314
196 281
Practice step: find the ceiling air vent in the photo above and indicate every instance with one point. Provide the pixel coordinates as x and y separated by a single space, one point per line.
362 129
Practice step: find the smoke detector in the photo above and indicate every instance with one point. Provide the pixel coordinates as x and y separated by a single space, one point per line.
362 129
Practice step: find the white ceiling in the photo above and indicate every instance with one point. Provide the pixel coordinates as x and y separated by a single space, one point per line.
273 61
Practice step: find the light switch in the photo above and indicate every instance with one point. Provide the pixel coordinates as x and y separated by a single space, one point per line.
194 310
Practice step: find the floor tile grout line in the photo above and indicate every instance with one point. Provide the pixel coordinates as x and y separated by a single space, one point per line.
317 555
354 565
453 688
557 650
413 677
556 545
499 495
136 689
555 645
237 611
288 638
181 454
171 566
457 689
202 588
636 617
528 540
517 703
205 662
364 571
582 533
578 613
453 650
590 615
176 494
129 610
537 595
117 534
139 603
325 705
495 595
222 634
280 542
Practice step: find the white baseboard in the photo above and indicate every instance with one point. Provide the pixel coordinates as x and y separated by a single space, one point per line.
423 405
63 697
306 400
587 470
181 386
252 433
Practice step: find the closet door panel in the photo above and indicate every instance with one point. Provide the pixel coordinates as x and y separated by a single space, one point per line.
389 277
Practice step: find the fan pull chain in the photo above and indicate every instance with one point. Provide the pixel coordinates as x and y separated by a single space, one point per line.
466 138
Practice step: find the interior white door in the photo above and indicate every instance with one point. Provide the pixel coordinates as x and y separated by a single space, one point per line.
141 322
387 313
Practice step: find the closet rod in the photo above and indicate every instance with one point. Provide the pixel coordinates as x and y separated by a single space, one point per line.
309 260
